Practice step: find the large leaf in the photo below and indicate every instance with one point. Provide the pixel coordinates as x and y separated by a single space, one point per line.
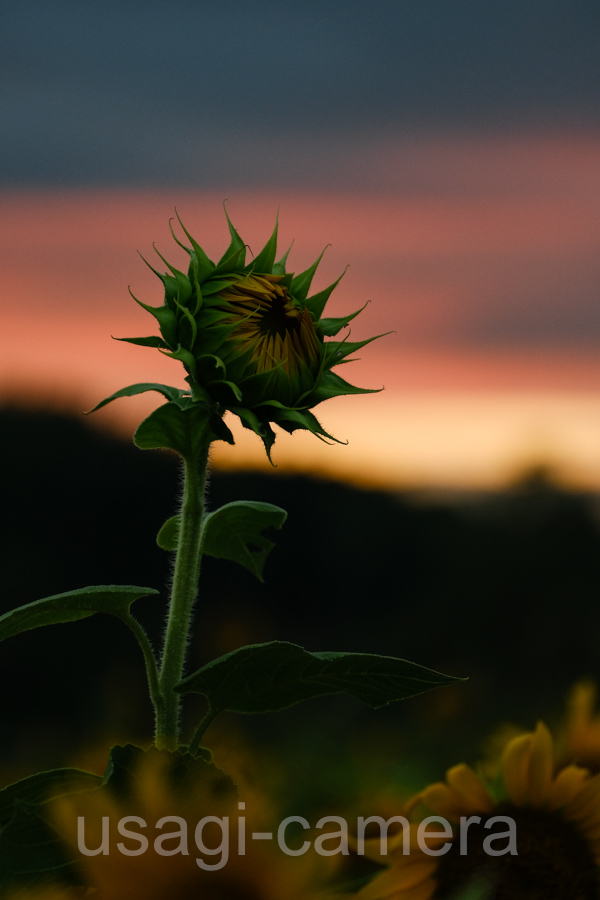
184 430
235 532
71 606
31 853
44 786
268 677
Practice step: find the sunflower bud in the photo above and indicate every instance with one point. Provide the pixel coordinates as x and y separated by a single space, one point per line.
250 338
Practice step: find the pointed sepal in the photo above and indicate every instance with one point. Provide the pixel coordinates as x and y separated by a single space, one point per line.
203 266
331 327
291 420
236 246
279 266
171 393
331 385
166 318
151 341
316 303
301 283
265 260
336 351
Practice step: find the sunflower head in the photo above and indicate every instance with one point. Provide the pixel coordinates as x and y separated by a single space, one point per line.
193 839
251 338
533 834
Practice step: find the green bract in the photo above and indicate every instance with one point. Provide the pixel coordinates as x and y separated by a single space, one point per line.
250 338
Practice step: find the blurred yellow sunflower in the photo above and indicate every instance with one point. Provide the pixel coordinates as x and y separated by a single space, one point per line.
579 737
144 845
551 851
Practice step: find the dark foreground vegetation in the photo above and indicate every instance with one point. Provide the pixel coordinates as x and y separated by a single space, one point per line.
502 588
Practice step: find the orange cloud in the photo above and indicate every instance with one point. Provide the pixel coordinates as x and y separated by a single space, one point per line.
491 298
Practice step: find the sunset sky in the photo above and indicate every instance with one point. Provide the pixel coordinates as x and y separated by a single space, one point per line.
448 153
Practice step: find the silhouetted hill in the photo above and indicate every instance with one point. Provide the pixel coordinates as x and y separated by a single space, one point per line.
504 589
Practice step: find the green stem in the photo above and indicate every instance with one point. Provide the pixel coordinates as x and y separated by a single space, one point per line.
202 728
150 660
184 590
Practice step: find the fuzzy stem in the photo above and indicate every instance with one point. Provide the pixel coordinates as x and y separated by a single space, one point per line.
150 660
183 593
201 729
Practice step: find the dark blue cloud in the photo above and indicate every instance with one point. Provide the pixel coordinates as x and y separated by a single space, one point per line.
176 91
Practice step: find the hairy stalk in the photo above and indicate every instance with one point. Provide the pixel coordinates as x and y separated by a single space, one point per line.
150 661
202 729
183 593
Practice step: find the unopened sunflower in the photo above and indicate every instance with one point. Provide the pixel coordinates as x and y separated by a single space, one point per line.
251 338
533 836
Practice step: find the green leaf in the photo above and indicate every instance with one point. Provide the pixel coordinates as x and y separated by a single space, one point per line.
44 786
70 607
31 852
269 677
168 536
183 430
166 390
188 777
235 532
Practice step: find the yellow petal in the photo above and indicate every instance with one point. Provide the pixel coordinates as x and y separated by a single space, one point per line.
566 786
586 801
541 764
443 801
422 892
466 783
400 877
515 768
582 701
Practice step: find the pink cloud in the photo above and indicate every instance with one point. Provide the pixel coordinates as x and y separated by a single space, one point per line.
487 292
